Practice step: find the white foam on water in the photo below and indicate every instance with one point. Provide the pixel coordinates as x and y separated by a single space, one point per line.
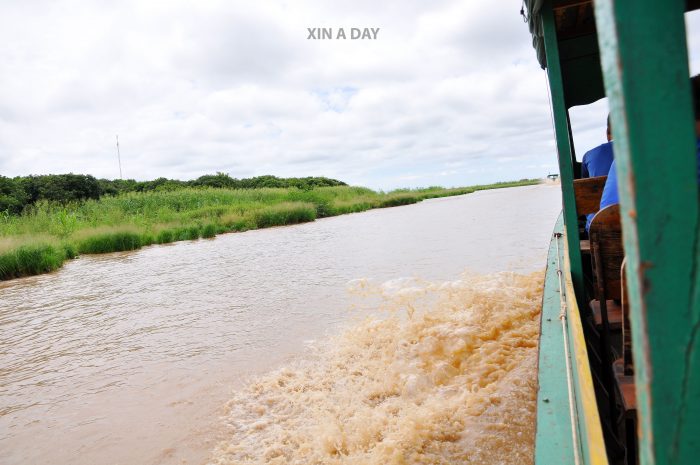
444 373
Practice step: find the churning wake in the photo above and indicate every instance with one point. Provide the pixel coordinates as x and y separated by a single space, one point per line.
445 375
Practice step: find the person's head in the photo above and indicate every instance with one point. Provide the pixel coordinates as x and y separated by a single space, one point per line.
609 132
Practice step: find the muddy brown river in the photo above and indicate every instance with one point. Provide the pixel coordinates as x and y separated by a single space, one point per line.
152 357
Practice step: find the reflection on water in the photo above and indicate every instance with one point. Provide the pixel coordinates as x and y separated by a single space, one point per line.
128 358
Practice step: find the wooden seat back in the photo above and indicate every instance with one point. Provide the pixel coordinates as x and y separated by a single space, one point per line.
607 252
627 361
587 192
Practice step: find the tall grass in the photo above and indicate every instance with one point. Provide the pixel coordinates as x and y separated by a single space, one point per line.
285 213
46 234
117 241
34 259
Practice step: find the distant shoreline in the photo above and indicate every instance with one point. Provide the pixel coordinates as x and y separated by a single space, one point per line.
47 234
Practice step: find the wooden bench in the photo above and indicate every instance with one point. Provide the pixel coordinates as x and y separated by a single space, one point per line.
614 314
586 246
628 393
607 254
626 328
606 260
624 378
587 192
611 314
627 421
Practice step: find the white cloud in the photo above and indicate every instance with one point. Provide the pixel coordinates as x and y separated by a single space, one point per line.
450 93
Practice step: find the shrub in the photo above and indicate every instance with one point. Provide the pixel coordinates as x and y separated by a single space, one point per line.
166 236
147 239
398 200
209 231
286 213
190 233
69 250
30 260
207 212
110 242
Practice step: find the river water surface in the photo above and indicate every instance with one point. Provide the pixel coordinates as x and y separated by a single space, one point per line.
130 358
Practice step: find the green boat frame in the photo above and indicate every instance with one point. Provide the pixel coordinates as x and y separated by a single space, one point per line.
634 52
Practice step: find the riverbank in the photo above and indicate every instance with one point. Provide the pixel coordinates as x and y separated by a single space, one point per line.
44 236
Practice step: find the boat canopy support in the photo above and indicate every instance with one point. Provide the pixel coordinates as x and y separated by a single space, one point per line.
564 145
645 69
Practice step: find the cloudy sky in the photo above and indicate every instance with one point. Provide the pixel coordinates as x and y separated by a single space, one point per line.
448 94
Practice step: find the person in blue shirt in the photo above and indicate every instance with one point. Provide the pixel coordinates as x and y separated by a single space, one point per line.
597 162
610 193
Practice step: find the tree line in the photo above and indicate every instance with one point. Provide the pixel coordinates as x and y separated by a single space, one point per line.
21 191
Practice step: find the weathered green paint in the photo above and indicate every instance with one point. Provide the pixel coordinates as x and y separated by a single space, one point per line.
581 425
643 53
564 148
553 443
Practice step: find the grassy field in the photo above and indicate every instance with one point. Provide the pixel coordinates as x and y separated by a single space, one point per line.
46 234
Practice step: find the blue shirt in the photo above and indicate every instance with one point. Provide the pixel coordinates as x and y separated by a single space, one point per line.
597 161
611 195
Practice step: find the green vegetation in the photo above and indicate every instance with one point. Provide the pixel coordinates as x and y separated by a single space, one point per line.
33 259
19 192
48 232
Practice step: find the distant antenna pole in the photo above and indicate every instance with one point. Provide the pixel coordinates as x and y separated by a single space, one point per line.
119 158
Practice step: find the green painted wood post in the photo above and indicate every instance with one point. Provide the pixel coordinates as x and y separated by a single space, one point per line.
644 59
564 148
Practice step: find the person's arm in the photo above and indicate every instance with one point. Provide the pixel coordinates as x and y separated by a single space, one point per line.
610 195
